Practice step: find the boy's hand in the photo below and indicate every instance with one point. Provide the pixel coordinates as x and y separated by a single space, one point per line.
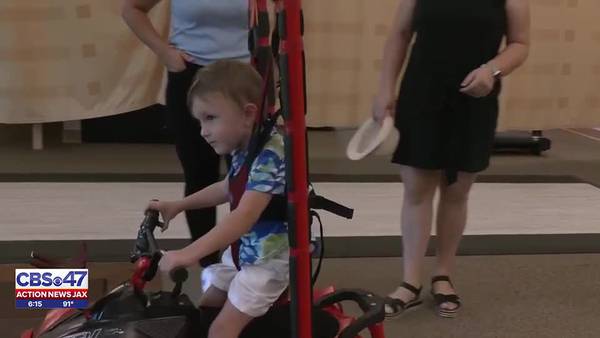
172 260
168 210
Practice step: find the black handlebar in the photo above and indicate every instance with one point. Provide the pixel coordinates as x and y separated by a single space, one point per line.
145 243
319 202
152 245
179 275
147 246
372 305
151 219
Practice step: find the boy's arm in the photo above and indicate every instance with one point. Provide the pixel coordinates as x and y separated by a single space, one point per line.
230 229
213 195
210 196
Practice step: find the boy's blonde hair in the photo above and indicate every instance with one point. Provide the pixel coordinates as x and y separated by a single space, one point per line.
237 81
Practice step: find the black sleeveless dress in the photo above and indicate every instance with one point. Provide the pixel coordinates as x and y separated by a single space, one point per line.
441 128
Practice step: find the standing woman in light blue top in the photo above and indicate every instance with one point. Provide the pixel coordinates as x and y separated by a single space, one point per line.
201 32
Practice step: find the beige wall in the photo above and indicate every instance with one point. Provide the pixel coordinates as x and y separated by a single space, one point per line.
557 87
76 59
65 60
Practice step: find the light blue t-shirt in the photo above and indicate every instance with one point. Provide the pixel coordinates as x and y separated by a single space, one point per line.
210 30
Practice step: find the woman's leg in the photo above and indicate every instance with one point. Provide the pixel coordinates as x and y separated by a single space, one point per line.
199 161
451 221
417 212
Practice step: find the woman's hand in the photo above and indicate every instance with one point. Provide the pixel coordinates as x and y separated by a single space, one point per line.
174 59
383 106
168 210
478 83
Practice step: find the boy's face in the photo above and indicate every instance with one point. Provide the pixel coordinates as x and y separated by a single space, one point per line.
225 126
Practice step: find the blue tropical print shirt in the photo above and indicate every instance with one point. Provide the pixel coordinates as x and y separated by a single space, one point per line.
266 239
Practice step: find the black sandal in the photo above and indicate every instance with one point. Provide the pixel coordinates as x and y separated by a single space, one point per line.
395 306
440 299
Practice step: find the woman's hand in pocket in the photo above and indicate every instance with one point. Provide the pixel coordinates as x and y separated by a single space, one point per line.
174 59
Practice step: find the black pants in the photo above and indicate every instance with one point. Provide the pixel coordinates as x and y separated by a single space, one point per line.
199 161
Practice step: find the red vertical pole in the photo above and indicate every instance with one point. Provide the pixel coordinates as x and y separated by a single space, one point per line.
301 287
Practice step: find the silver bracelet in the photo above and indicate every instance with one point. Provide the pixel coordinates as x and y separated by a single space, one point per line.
496 73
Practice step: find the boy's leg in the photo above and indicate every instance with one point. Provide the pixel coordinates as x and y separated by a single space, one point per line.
213 297
216 280
252 292
229 323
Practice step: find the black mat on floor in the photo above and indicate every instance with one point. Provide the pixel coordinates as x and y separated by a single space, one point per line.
335 247
151 177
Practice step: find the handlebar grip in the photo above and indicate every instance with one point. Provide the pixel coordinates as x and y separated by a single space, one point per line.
320 202
153 267
179 275
151 240
151 219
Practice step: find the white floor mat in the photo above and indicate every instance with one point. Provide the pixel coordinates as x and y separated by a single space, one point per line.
63 211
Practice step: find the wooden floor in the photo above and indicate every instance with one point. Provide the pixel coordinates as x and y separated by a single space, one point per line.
94 211
531 296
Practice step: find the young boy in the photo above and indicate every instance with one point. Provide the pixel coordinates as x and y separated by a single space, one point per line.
225 98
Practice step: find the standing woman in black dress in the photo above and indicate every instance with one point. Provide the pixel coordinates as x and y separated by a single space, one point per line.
446 113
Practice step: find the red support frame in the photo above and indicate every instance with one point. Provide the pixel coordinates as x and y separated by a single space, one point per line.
298 194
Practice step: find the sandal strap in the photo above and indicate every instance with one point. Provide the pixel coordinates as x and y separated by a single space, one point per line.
398 304
441 298
395 303
441 279
412 288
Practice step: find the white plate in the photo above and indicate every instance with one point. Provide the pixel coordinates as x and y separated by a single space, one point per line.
373 137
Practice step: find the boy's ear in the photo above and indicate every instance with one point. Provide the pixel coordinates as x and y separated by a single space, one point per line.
250 112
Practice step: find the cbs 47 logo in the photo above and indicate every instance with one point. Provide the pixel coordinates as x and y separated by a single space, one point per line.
51 277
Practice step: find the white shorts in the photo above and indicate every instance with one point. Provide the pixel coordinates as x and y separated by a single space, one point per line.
254 288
